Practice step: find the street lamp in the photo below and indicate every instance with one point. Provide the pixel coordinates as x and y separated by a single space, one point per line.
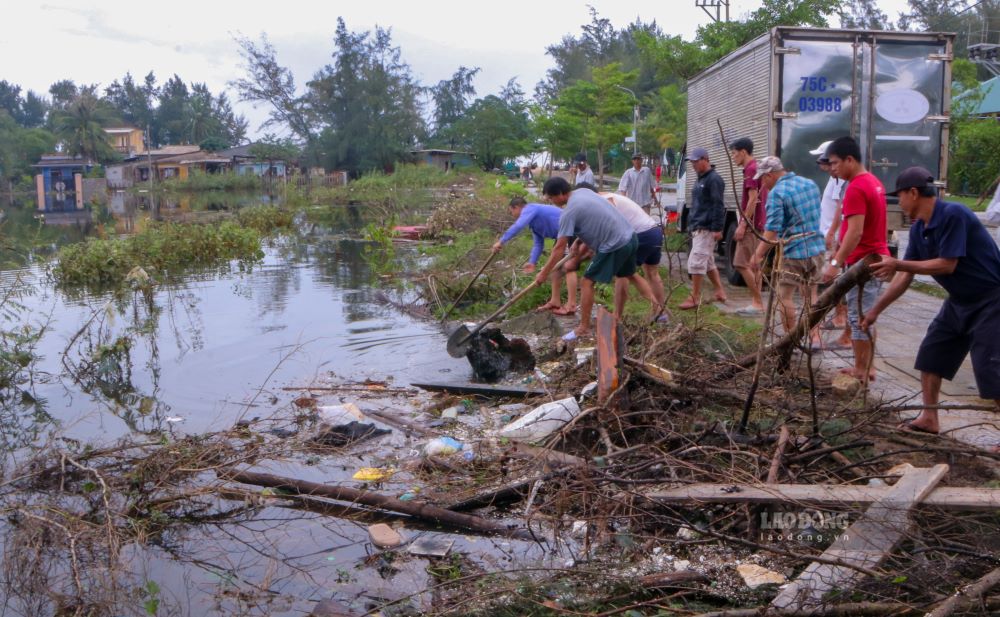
635 119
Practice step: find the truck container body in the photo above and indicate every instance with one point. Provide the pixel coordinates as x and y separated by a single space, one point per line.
793 89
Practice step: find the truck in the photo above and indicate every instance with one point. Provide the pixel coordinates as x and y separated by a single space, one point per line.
793 88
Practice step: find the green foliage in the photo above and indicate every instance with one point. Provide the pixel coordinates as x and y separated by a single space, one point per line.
390 190
496 128
151 595
272 148
80 126
975 160
165 248
451 101
21 147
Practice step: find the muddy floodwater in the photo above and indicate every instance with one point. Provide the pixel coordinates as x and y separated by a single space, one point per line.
216 347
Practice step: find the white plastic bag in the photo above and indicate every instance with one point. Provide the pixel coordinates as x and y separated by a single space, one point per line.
543 421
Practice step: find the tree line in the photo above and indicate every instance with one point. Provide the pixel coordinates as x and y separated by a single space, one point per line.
73 117
365 110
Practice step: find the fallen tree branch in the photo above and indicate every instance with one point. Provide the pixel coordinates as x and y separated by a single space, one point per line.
854 609
855 275
971 593
425 512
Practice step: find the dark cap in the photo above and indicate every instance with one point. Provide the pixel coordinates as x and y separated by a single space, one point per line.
913 178
580 158
636 156
697 154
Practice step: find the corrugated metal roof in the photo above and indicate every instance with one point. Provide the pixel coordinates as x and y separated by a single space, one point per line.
991 97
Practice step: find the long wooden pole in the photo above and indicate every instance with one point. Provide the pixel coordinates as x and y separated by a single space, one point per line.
433 514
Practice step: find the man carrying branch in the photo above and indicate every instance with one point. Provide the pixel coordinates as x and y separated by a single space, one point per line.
948 242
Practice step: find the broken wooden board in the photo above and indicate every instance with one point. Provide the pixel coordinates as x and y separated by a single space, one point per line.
609 354
467 387
945 497
863 545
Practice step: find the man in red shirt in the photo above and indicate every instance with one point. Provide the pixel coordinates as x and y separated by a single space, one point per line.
862 233
752 205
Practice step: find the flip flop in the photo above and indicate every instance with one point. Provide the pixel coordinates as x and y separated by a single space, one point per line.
687 305
564 311
547 307
908 425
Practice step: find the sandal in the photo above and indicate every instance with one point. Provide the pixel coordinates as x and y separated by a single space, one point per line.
564 311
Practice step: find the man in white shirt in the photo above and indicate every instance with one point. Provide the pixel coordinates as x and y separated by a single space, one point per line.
638 184
584 174
829 225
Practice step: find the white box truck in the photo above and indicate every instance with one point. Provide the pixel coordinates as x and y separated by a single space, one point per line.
792 89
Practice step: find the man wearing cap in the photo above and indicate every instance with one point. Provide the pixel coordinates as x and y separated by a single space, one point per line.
588 217
829 225
638 184
543 221
584 174
862 233
706 220
948 242
752 205
793 204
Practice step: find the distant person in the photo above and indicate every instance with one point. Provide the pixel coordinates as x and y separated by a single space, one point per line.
543 221
752 205
649 253
948 242
706 220
829 226
588 218
638 184
793 204
862 233
584 174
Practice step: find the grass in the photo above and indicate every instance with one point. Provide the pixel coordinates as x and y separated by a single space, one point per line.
199 181
973 203
929 289
164 248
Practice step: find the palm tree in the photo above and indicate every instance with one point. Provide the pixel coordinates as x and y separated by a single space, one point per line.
80 127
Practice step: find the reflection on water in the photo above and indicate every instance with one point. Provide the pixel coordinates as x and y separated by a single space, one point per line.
198 353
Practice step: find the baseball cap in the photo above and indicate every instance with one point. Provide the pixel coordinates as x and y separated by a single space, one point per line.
767 165
636 156
821 152
697 154
913 178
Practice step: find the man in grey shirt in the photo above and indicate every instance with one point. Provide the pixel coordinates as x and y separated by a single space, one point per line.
584 175
638 184
589 218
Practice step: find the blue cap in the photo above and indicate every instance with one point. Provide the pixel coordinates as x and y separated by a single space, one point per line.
697 154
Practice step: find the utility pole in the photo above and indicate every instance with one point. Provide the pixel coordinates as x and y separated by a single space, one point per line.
635 119
705 5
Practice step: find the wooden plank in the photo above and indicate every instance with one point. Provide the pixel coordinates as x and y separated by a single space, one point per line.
946 497
863 545
608 354
481 389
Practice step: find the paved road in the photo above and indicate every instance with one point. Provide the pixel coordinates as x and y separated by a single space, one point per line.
900 330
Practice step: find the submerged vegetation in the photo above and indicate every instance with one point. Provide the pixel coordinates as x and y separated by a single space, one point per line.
198 181
163 248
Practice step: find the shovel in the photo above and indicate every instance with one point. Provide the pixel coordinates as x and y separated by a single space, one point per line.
458 340
469 286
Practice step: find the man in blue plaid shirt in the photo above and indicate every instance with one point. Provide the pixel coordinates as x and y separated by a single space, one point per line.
793 209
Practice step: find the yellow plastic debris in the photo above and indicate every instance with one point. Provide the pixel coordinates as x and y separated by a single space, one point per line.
372 474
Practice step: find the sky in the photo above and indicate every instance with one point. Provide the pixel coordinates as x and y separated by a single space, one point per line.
98 42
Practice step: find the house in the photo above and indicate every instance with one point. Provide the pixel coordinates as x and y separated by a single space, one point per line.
989 106
135 169
444 159
243 163
126 140
59 181
181 165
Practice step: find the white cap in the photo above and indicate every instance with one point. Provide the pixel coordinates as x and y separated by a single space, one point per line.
821 151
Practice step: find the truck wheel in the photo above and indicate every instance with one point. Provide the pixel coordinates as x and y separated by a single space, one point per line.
729 251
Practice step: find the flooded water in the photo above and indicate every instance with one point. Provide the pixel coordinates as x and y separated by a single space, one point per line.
219 345
216 347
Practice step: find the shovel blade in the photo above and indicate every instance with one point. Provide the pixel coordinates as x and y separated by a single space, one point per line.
458 342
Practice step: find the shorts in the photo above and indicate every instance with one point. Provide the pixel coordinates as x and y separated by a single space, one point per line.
650 249
744 250
795 272
959 329
701 259
868 298
619 262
